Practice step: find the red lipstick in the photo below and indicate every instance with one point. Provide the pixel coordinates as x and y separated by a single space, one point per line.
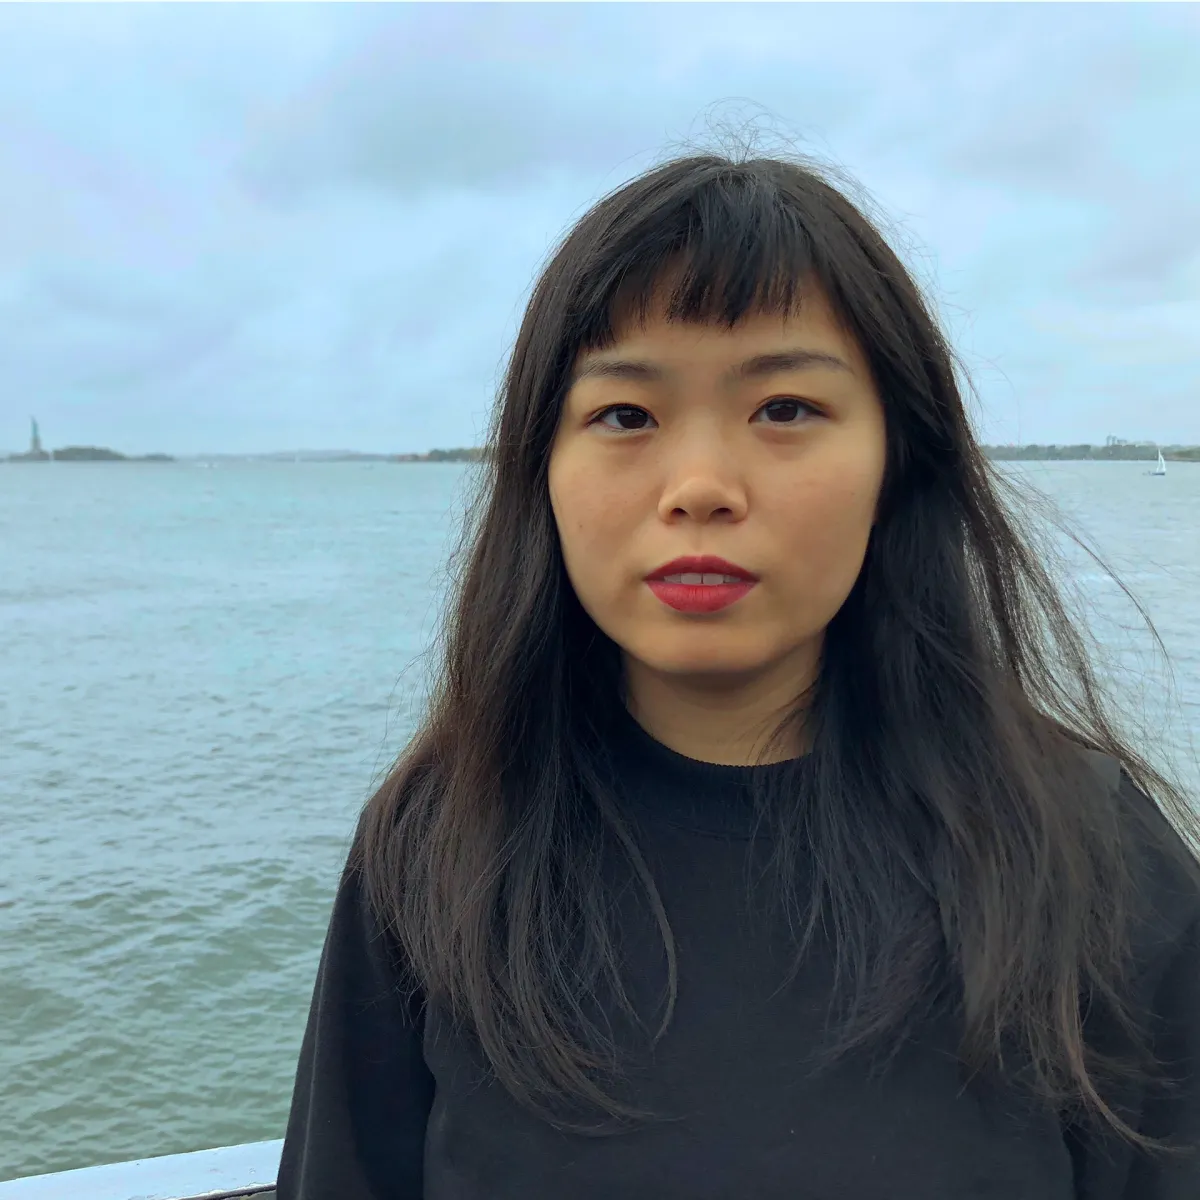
696 595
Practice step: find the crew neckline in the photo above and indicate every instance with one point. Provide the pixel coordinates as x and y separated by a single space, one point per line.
688 793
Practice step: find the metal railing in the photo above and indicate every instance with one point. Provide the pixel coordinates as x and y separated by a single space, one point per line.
219 1174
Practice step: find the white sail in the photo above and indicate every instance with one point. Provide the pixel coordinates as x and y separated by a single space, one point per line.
1161 466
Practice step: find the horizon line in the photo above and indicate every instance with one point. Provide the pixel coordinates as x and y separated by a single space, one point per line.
1130 443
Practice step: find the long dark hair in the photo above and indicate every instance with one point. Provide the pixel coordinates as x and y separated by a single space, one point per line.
954 825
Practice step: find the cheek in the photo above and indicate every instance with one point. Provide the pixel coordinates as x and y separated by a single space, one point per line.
588 499
595 520
826 525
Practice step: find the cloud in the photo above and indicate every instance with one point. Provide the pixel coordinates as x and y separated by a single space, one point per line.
247 227
495 97
1151 241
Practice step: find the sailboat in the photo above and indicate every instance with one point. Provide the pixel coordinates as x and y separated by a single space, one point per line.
1160 467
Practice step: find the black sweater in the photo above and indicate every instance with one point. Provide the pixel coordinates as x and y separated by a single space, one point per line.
390 1102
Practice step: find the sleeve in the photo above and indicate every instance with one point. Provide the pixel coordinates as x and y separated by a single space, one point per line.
1174 1116
356 1129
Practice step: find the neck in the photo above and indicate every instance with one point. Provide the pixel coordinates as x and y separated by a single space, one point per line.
731 724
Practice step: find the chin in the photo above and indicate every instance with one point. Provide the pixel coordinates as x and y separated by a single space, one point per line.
699 661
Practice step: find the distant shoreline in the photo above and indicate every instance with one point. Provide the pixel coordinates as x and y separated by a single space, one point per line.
1121 452
83 454
104 454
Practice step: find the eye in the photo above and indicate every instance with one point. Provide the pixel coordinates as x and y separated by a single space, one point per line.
787 411
623 411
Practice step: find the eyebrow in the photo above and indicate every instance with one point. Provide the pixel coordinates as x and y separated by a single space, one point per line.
761 365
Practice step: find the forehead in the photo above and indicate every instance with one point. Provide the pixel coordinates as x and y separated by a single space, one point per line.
809 335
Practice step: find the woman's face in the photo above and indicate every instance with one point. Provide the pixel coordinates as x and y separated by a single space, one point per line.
777 469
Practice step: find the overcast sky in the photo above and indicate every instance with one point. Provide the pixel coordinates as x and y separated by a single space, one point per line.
252 228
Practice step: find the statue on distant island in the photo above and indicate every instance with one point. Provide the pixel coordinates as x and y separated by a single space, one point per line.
35 453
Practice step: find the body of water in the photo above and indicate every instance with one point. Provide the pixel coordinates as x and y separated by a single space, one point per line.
203 674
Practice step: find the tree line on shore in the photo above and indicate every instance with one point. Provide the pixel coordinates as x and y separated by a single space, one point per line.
84 454
1117 452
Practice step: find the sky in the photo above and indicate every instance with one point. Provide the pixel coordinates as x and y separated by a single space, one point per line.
249 228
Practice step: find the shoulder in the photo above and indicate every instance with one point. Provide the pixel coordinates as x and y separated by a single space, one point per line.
1164 869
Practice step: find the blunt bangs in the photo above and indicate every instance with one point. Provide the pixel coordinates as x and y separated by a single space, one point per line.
734 244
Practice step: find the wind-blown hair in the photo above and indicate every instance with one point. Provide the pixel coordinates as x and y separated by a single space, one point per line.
958 845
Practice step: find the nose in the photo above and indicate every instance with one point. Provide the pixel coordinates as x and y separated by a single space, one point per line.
705 485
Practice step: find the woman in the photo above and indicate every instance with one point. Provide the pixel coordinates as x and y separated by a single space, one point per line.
766 835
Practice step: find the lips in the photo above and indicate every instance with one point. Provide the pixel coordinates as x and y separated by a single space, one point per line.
700 564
